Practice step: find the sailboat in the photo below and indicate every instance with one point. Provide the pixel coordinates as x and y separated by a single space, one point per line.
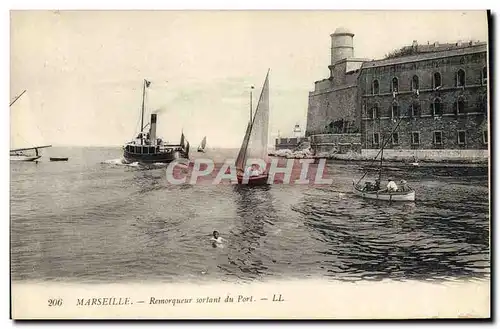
408 194
254 145
148 148
24 128
203 144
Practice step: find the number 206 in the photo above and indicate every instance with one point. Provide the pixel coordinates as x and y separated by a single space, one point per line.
55 302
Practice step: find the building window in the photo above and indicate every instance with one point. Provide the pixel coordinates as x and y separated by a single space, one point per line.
375 111
395 110
437 107
414 109
461 137
485 136
395 85
485 104
395 139
460 78
484 76
415 138
436 81
437 137
375 88
414 83
376 139
461 105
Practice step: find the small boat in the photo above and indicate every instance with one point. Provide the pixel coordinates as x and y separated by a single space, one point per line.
25 137
383 195
23 157
148 148
203 144
58 159
408 194
254 145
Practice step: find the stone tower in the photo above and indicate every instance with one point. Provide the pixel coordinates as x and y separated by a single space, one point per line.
342 45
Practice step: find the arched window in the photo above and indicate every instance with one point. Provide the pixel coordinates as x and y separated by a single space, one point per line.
484 76
437 107
395 85
460 78
414 83
461 105
395 110
375 88
436 80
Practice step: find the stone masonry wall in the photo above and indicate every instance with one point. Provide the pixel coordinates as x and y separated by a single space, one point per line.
340 143
330 106
417 110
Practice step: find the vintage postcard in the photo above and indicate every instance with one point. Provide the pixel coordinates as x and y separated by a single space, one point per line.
328 164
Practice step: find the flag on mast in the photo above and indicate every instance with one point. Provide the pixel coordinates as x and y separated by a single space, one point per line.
147 83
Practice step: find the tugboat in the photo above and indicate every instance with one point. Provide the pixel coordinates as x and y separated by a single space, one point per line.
148 148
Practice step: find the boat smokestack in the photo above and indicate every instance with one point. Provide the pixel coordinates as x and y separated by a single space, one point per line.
152 129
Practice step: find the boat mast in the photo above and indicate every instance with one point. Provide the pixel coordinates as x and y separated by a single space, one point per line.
142 109
251 89
381 150
17 98
381 159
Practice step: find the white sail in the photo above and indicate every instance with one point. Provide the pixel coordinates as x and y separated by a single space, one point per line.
259 134
24 130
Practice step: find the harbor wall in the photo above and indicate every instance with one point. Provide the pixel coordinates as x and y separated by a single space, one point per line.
429 155
348 147
336 143
290 143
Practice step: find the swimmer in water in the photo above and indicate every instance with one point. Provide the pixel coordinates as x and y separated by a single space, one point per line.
216 239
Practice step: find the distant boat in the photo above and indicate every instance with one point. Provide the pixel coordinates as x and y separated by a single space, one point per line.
26 136
383 194
58 159
203 144
254 145
148 148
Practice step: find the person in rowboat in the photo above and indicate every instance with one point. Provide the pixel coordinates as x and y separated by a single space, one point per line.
249 171
391 186
368 187
403 187
252 171
256 171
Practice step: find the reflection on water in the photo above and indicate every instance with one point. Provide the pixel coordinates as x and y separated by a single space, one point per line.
87 220
254 209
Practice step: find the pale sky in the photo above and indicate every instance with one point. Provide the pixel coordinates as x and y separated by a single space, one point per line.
84 69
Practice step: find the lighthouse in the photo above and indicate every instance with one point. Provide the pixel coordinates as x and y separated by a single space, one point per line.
297 132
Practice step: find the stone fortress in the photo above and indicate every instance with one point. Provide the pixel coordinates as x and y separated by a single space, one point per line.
437 93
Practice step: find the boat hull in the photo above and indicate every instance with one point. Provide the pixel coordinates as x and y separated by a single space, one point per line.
58 159
161 157
200 150
386 196
253 180
24 158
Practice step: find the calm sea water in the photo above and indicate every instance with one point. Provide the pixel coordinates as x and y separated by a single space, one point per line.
93 220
